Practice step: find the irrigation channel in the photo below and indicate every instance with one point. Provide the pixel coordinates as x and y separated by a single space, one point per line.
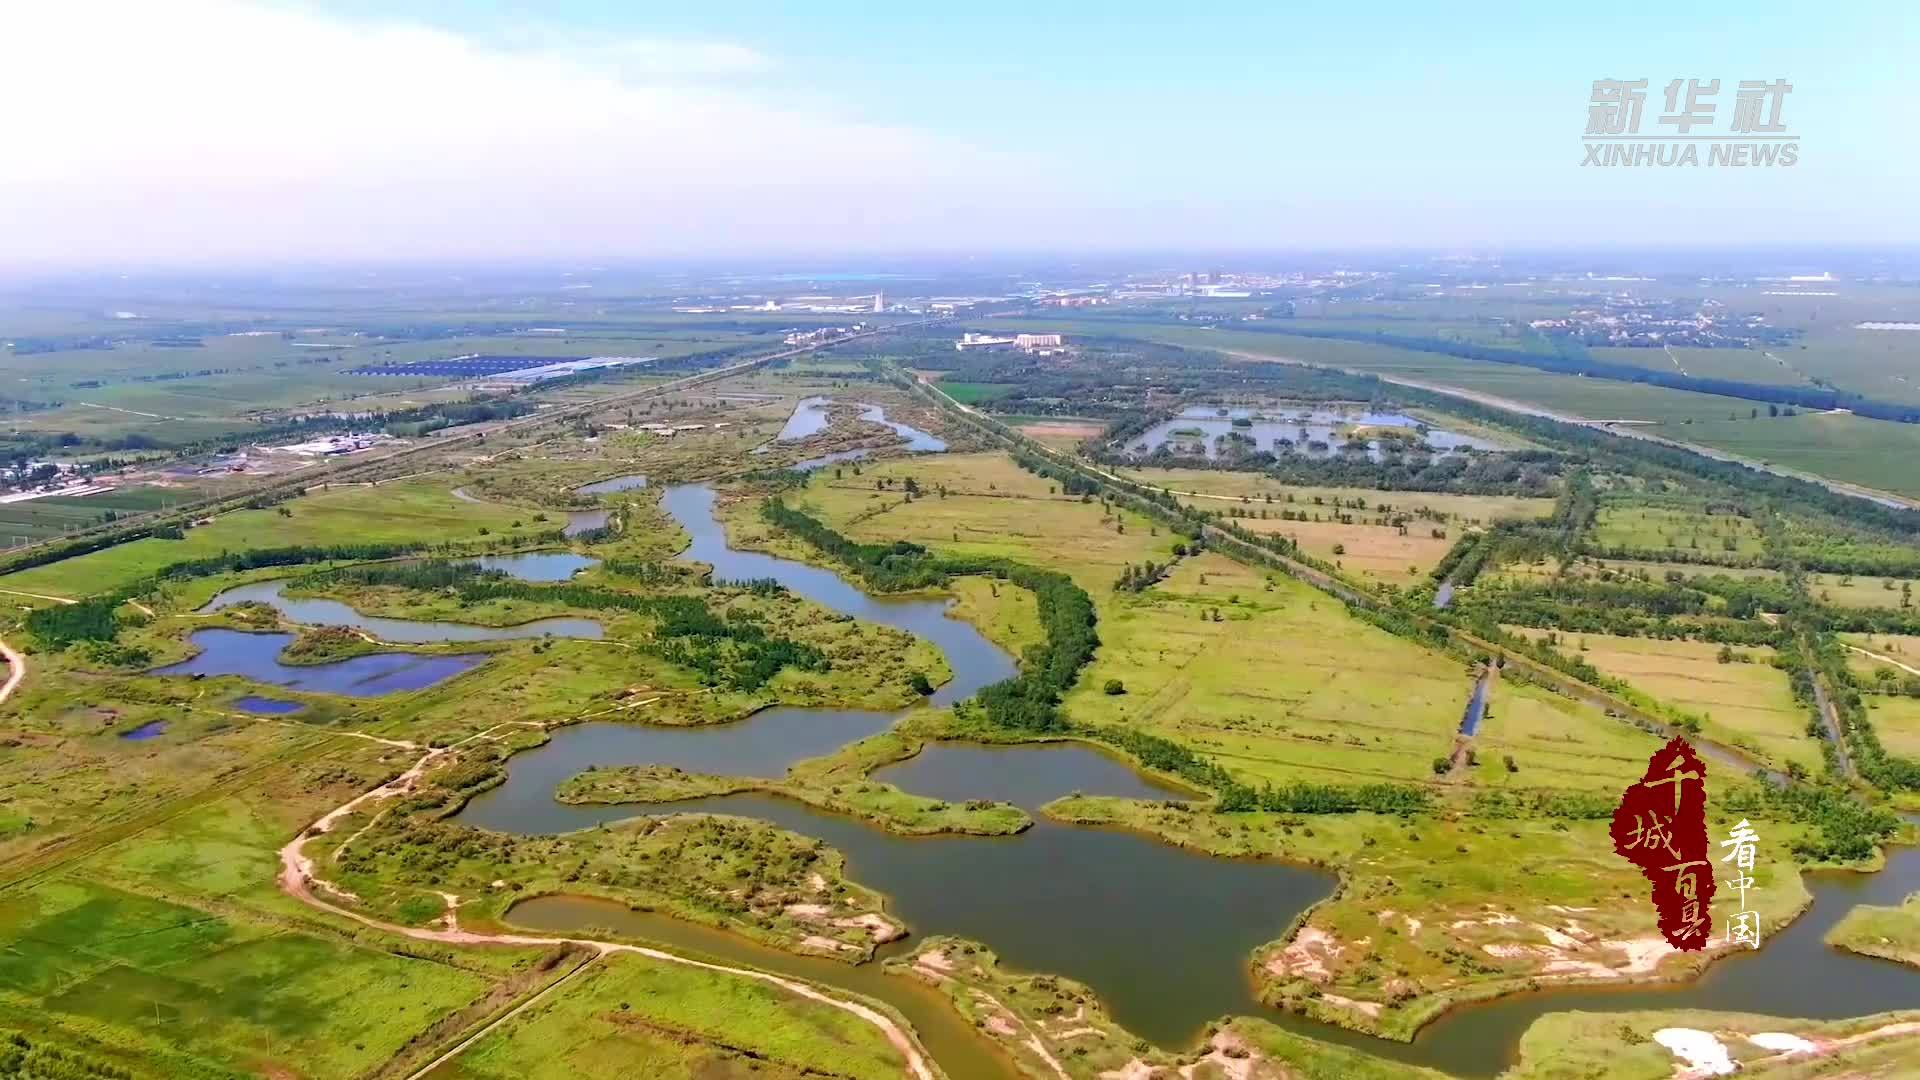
1163 935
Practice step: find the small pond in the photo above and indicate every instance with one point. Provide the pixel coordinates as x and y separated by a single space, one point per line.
608 487
315 611
256 656
267 706
540 566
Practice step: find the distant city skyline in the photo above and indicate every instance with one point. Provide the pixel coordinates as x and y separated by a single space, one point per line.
215 131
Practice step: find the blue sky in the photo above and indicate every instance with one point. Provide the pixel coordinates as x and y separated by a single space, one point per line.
876 127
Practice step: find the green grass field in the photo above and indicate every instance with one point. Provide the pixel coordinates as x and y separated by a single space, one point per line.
1657 528
629 1016
1748 704
42 519
967 393
1255 488
210 994
1285 686
422 510
1556 743
1743 365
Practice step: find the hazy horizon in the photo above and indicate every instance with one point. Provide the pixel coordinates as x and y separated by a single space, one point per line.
217 132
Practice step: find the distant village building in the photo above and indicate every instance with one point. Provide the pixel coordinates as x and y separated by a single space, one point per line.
981 341
1039 344
1036 344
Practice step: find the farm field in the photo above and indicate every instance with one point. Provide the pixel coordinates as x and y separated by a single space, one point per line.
1861 591
176 953
1376 552
631 1016
33 520
1747 703
1062 433
1875 453
1555 743
423 510
1896 721
1230 486
992 507
1283 686
207 993
967 393
1657 528
1742 365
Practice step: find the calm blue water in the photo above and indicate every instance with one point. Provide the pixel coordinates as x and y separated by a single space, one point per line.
608 487
542 566
267 706
580 521
975 661
810 418
321 612
256 656
1476 707
150 730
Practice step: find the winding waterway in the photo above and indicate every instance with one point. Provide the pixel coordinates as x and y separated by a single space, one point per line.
1164 936
318 611
810 418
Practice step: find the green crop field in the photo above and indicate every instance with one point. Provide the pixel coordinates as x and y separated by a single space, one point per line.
1656 529
210 993
974 393
630 1016
40 519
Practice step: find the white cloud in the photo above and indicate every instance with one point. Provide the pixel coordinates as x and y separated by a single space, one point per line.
203 129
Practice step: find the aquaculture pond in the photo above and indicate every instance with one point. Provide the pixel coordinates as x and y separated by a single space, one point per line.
1317 430
256 656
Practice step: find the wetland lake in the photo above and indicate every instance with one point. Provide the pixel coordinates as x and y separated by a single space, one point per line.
1164 936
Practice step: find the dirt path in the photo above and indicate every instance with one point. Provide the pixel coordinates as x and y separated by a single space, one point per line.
39 596
16 670
1885 659
299 880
